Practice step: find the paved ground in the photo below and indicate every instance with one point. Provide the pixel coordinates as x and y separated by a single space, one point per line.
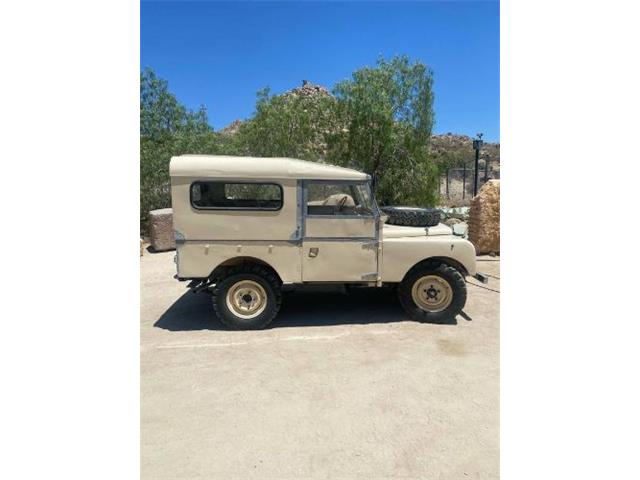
341 387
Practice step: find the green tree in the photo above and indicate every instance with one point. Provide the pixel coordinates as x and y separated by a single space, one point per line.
389 114
289 126
161 113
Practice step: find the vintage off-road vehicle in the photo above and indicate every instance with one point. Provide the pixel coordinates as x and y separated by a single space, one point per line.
248 228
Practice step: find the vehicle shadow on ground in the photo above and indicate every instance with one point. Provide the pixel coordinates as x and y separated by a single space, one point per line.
299 309
150 249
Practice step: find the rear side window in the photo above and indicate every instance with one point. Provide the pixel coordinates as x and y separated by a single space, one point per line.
236 196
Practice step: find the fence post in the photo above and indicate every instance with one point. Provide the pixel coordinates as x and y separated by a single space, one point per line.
464 179
477 145
476 173
447 185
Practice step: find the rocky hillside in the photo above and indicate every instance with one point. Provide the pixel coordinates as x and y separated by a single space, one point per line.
232 128
461 146
307 89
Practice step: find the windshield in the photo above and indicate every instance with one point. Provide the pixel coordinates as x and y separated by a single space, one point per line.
364 199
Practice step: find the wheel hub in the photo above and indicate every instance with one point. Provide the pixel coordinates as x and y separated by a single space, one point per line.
432 293
246 299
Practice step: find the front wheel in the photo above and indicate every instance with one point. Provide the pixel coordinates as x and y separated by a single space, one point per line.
434 294
247 298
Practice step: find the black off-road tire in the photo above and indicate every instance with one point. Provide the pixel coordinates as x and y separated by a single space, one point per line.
458 288
413 217
256 273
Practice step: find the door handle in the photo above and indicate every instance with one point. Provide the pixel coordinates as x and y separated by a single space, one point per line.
313 252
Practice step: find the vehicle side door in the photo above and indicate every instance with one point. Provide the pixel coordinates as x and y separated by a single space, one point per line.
340 232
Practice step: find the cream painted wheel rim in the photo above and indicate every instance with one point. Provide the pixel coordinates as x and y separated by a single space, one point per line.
246 299
432 293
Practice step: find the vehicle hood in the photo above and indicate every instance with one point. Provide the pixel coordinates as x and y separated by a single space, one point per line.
397 231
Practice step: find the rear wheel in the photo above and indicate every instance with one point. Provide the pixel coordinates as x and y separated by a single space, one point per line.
435 293
247 298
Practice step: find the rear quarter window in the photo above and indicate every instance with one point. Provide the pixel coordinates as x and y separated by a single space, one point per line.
236 196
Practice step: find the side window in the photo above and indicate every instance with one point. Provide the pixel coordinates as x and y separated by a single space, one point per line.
236 196
339 199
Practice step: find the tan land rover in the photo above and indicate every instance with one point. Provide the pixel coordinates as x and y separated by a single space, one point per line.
248 228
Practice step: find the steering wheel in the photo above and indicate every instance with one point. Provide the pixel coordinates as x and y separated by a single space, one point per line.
341 203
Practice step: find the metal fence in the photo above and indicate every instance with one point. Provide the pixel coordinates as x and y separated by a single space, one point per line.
457 184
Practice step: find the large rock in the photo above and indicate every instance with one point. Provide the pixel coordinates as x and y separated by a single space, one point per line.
484 218
161 229
308 89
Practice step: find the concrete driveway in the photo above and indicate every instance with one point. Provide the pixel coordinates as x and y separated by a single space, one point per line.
340 387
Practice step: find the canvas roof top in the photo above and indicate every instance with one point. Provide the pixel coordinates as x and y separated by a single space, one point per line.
222 166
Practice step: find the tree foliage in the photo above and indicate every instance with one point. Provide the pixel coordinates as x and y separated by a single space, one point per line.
379 121
162 114
290 126
388 110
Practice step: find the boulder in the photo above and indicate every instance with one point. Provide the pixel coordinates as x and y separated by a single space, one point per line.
484 218
161 229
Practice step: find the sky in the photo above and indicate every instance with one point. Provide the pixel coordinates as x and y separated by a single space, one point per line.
220 54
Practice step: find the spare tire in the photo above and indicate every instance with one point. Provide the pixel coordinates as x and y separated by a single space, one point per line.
412 217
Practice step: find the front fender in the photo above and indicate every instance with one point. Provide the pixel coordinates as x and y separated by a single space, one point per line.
400 254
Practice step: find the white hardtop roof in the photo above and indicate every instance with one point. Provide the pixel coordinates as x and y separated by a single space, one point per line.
221 166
